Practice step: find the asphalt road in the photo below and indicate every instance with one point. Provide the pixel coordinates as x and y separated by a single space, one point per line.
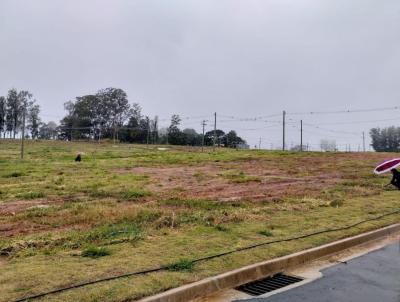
374 277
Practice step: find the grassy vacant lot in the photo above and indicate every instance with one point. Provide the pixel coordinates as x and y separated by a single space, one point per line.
126 208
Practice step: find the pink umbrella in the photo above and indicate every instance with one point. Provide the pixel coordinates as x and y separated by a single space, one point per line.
387 166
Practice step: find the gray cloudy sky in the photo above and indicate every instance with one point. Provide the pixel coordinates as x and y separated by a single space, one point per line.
193 57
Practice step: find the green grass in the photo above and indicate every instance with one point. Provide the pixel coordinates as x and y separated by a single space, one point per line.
58 211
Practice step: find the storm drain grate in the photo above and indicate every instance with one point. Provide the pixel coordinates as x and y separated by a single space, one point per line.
268 284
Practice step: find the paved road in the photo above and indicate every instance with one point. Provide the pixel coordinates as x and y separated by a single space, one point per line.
374 277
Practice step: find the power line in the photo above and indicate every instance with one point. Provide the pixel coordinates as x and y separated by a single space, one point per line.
361 122
346 111
331 130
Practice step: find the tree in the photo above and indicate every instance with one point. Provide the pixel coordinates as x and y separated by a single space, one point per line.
34 120
3 112
386 140
328 145
175 136
192 138
231 139
17 105
115 101
12 113
209 137
154 130
98 115
48 131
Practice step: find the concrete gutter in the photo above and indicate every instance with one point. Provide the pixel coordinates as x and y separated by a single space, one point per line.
263 269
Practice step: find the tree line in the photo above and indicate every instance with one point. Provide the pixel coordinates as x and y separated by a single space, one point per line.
107 114
14 108
386 139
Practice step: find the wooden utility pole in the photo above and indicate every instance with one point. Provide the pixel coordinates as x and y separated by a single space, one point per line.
259 144
202 138
23 134
301 135
215 130
283 130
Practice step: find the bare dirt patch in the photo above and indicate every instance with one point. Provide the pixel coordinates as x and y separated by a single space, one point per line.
242 180
13 207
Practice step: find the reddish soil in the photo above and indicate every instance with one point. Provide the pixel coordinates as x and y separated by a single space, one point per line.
14 207
210 181
9 228
265 179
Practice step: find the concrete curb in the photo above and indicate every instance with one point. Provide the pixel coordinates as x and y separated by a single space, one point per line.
259 270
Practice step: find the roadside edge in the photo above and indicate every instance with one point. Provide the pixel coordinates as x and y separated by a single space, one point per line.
263 269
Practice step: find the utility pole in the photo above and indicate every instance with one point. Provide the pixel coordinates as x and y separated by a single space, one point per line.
23 133
215 130
363 141
301 135
283 130
259 144
202 138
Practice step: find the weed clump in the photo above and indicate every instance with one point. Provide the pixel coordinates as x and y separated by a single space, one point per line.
95 252
14 174
134 194
221 228
266 233
114 232
181 265
240 177
31 195
336 203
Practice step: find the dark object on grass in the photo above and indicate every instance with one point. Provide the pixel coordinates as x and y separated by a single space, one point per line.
396 178
78 157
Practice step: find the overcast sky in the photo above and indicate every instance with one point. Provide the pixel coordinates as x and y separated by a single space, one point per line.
194 57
